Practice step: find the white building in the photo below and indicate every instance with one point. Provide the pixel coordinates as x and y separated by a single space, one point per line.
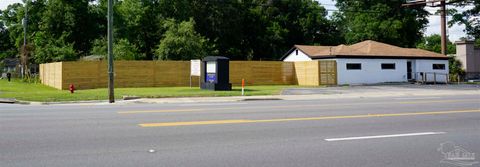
370 62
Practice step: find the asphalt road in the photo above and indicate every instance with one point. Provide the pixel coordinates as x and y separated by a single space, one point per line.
396 131
396 87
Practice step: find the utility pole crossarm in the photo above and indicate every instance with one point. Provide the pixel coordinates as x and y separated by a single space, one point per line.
425 2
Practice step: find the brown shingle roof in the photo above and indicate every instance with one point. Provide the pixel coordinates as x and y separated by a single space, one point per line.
367 48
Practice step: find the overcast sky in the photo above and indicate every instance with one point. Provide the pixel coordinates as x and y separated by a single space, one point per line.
454 32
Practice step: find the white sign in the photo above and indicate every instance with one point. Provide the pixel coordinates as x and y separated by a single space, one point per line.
211 67
194 67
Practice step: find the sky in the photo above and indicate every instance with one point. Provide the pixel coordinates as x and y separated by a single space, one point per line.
455 32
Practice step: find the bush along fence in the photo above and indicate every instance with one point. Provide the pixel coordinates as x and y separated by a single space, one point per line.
93 74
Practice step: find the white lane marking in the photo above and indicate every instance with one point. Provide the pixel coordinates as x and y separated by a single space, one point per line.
416 98
212 104
385 136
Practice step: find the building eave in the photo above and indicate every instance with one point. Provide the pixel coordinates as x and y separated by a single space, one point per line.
378 57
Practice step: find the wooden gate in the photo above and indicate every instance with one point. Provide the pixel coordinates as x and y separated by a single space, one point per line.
316 73
327 72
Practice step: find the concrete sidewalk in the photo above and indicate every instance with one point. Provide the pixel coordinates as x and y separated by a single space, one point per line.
334 93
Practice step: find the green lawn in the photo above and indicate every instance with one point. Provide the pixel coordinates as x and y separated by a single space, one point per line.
38 92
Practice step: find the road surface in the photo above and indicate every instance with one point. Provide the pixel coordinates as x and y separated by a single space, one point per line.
393 131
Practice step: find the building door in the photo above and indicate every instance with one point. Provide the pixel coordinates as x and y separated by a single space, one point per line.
409 70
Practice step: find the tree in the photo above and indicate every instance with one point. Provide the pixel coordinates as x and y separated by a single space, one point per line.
50 22
288 23
122 49
181 42
11 20
238 29
469 18
12 36
455 66
100 47
7 47
433 43
75 20
48 49
140 23
262 29
383 21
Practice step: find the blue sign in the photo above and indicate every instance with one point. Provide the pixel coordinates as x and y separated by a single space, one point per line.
212 78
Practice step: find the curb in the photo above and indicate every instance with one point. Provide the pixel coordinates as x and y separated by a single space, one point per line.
260 99
64 102
8 101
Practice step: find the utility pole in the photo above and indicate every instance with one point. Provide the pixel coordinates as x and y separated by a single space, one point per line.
443 16
111 95
443 25
24 56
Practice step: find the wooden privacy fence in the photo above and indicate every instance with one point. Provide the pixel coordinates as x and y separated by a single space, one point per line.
93 74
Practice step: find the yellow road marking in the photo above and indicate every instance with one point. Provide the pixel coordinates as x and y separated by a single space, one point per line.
196 123
291 106
216 122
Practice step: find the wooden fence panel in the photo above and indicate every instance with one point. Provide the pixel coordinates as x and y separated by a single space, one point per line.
134 74
83 74
51 74
307 73
261 73
172 73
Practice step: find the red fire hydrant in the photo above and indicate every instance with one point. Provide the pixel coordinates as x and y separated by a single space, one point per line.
72 88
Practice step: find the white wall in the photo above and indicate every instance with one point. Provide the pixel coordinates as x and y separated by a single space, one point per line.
294 57
427 66
371 71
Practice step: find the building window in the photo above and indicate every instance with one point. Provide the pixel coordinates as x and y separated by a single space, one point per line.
354 66
296 52
388 66
438 66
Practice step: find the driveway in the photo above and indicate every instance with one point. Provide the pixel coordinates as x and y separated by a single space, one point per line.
367 89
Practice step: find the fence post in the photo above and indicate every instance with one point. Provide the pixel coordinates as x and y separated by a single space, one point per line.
243 87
